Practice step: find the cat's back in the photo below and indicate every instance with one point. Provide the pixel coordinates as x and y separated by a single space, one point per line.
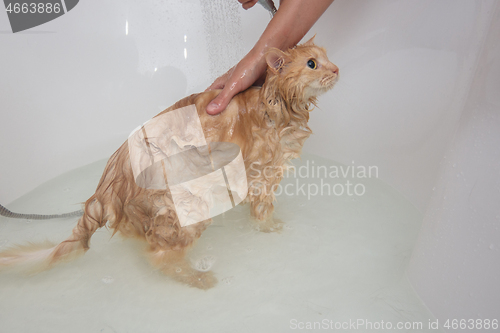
234 124
242 103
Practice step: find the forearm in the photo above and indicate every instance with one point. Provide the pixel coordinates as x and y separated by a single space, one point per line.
291 22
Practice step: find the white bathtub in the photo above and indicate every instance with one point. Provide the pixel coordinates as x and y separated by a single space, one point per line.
418 97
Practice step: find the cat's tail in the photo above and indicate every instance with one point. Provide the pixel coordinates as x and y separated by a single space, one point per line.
47 254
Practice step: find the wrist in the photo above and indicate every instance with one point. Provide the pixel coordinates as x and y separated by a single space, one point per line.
257 57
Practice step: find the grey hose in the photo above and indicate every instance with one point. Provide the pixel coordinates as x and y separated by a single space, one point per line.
268 5
7 213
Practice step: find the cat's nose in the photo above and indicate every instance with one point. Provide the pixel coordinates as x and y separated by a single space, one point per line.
335 69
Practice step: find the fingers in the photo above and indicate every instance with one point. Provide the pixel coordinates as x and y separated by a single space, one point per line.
219 103
248 3
237 79
228 86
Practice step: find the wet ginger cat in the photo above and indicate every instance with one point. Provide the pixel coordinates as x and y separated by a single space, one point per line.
269 124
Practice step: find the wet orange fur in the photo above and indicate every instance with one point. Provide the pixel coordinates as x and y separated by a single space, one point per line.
270 126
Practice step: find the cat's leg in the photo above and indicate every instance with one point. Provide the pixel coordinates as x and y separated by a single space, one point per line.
169 244
262 213
261 198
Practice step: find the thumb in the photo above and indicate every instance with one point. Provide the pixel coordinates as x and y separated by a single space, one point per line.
219 103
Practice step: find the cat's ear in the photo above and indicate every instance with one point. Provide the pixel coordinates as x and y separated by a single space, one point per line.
310 42
276 59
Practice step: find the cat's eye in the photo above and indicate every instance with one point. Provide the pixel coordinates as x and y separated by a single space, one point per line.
312 64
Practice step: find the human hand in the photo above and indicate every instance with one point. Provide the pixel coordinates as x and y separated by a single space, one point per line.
246 4
237 79
292 21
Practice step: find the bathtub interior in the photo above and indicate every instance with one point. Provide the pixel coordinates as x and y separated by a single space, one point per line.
74 88
338 259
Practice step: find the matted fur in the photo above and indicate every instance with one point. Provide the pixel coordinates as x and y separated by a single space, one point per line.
270 126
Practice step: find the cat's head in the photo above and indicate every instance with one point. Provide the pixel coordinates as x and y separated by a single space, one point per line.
302 72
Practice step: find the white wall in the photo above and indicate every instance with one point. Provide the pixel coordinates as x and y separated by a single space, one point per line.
455 266
405 71
73 88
